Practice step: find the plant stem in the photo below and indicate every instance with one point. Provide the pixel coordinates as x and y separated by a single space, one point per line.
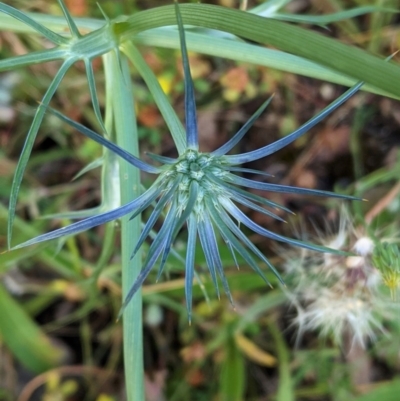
119 89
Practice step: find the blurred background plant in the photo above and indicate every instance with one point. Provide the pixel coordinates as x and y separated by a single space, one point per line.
249 353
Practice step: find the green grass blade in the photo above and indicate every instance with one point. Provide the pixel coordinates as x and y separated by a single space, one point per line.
121 96
285 389
24 338
174 124
334 17
24 18
348 60
41 56
71 23
389 391
93 92
200 42
30 139
232 378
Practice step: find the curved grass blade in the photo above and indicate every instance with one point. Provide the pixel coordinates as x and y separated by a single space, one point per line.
50 35
281 143
25 338
28 145
242 132
250 53
106 143
349 60
190 103
171 119
334 17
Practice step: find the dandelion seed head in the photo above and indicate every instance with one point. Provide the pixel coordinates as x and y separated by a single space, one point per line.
364 246
339 295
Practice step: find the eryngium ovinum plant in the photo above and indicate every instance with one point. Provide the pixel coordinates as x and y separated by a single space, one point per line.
202 191
343 297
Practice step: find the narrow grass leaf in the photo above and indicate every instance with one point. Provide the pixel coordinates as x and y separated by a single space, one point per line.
41 56
28 145
93 92
348 60
50 35
334 17
171 119
31 346
71 23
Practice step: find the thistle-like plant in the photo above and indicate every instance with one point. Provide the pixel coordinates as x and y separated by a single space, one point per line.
202 190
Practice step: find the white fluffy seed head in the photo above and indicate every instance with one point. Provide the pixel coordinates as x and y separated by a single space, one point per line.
364 246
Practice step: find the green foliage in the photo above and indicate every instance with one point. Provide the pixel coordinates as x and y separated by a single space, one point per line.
84 272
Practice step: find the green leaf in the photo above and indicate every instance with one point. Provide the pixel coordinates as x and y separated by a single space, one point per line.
30 140
174 124
285 389
388 392
38 57
232 381
348 60
25 19
24 338
334 17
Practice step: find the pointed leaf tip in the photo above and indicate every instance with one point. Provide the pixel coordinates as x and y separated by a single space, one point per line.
190 104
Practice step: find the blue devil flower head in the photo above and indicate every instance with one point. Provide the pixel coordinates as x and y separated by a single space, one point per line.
203 191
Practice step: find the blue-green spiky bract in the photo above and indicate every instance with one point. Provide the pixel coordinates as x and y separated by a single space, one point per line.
202 191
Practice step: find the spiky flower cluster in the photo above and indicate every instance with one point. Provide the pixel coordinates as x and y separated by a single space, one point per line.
202 191
339 296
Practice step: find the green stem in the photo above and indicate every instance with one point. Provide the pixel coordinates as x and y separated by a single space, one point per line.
119 90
